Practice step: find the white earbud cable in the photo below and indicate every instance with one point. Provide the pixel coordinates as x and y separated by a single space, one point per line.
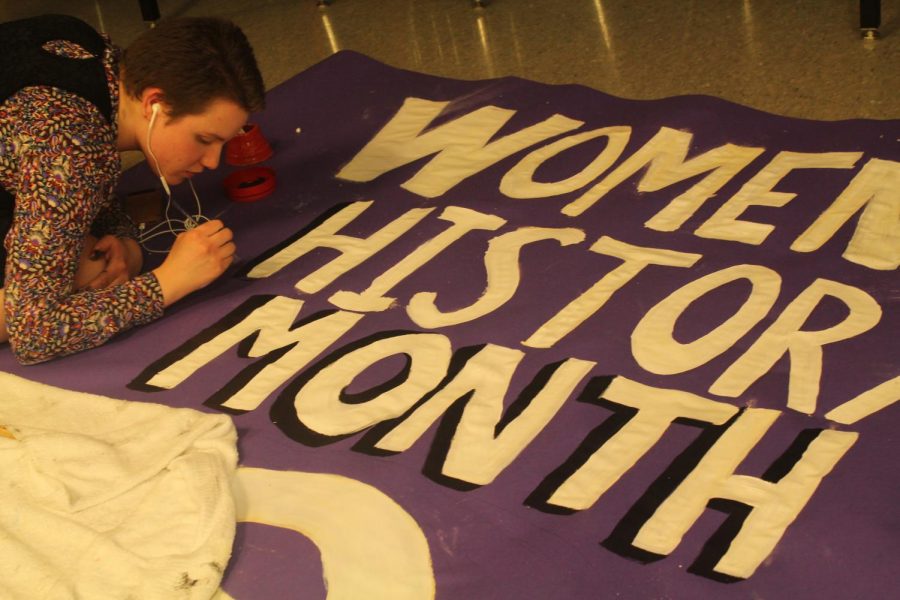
174 227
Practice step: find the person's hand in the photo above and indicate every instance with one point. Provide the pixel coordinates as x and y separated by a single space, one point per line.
122 258
197 258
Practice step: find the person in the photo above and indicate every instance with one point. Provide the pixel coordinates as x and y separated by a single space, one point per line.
70 101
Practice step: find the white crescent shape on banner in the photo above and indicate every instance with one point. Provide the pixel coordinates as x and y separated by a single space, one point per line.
371 548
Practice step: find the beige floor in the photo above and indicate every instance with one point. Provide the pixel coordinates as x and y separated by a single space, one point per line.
803 58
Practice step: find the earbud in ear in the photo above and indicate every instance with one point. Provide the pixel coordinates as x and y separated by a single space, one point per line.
155 108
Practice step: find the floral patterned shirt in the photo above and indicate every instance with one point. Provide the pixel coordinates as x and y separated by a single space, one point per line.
58 157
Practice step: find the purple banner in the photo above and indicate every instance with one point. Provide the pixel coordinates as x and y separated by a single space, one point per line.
585 346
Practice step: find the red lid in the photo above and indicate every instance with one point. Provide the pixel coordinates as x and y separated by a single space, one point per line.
250 185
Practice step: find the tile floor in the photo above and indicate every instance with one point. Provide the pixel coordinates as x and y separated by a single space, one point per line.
801 58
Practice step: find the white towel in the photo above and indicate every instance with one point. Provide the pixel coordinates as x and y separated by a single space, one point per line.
103 498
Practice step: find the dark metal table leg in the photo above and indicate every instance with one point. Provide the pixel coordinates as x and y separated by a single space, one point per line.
869 18
149 11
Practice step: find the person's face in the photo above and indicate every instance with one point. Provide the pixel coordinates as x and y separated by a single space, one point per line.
189 144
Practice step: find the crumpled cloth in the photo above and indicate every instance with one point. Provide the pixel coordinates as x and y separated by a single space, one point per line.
103 498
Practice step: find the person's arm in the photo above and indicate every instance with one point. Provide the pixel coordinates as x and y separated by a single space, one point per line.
56 199
198 257
117 235
121 259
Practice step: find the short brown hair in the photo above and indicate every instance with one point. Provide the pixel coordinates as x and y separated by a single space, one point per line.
194 61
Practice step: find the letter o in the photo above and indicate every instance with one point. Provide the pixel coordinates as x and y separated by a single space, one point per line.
519 181
318 403
657 351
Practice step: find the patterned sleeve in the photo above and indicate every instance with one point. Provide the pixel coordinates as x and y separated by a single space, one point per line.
67 169
113 220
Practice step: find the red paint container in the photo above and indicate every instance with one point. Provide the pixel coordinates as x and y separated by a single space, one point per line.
248 147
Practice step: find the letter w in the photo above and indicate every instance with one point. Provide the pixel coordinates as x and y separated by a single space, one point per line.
461 145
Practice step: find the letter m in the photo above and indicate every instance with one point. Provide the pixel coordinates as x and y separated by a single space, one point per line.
265 328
